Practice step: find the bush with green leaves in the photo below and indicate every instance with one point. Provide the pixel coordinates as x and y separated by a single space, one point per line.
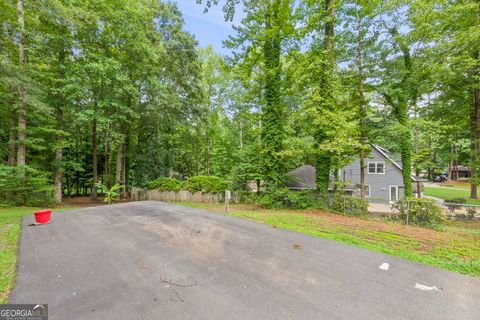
247 196
206 184
348 205
279 198
283 198
165 184
422 212
35 190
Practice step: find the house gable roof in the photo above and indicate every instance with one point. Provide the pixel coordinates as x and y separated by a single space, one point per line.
384 153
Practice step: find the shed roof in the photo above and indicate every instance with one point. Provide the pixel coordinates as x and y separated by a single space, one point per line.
463 168
302 178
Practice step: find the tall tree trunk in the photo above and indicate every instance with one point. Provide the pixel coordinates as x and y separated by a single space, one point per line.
22 124
94 158
474 127
241 134
405 148
417 143
323 162
106 174
429 169
11 134
58 158
59 119
124 173
336 180
406 97
474 141
455 163
329 8
118 173
127 157
362 172
207 150
197 156
77 151
450 163
434 162
362 112
272 132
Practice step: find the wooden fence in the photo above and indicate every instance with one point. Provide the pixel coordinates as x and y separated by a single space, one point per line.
138 194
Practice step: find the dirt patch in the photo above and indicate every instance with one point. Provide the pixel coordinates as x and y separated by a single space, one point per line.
458 184
374 225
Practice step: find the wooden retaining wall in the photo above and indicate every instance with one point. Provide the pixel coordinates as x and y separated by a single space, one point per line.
138 194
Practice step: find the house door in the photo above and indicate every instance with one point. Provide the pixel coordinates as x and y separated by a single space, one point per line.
393 193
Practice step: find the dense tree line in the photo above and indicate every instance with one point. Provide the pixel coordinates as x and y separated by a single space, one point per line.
118 91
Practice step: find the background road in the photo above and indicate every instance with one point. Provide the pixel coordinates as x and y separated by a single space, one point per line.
151 260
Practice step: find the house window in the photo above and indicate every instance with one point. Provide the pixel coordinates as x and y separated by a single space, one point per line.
367 191
376 167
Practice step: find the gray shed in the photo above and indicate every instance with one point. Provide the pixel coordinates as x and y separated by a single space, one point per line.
302 178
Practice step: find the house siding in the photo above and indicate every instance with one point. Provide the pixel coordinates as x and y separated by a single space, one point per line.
379 183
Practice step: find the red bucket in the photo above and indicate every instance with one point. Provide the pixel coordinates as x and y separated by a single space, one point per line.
42 216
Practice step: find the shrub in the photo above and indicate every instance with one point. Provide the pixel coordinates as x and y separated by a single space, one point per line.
41 198
349 205
206 184
247 196
165 184
278 198
422 212
36 190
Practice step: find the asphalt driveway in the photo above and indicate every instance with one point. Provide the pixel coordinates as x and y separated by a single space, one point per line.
152 260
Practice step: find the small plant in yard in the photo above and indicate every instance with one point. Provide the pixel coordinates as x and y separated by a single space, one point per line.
110 194
422 212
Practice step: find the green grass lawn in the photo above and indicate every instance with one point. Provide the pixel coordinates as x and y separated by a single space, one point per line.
10 219
447 193
455 247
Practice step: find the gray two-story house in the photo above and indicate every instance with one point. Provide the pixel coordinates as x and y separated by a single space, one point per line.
383 177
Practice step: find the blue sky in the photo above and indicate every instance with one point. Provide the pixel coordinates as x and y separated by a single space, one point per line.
208 28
